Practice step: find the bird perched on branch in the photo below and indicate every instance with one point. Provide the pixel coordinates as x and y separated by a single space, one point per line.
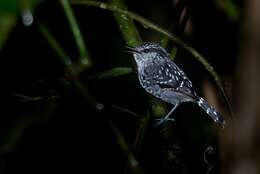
162 78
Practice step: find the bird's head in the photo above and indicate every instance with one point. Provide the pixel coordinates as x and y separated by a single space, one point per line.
146 51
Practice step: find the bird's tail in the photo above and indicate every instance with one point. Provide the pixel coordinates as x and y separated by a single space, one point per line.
211 112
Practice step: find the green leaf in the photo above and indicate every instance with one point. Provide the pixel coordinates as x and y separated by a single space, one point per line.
115 72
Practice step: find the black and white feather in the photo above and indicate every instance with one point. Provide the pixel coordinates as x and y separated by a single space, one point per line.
161 77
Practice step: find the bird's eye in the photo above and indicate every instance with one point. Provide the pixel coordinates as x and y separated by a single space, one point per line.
146 50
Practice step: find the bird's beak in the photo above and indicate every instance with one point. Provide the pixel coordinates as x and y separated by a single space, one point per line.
132 50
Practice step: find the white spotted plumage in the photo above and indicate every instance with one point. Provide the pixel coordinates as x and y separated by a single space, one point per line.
161 77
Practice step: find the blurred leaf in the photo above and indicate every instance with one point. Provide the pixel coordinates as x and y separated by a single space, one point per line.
229 7
232 10
159 109
10 6
115 72
8 18
7 22
9 11
28 4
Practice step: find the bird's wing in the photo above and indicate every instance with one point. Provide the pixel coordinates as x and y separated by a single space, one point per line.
169 76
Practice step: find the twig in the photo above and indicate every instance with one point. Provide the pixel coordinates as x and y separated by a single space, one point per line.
126 111
55 45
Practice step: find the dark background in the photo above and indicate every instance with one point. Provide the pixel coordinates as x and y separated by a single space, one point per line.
63 133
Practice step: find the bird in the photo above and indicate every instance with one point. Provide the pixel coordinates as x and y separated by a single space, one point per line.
162 78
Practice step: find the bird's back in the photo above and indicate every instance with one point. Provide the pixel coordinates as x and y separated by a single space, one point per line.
165 80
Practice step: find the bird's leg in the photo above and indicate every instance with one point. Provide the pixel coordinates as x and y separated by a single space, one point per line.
166 118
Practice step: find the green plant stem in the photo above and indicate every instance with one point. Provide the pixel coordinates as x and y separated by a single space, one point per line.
126 111
157 28
140 134
132 38
82 49
55 45
126 25
114 72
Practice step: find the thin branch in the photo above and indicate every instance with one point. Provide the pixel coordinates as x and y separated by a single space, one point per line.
140 134
126 111
55 46
111 73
